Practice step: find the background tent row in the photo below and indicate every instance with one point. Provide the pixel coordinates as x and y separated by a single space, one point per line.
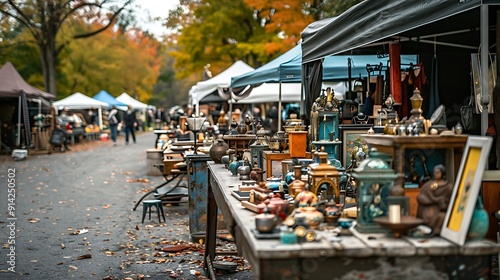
80 101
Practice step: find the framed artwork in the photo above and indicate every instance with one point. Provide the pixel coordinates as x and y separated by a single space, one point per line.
352 141
466 189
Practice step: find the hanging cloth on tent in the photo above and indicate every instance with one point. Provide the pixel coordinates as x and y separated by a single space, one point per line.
434 100
476 75
26 118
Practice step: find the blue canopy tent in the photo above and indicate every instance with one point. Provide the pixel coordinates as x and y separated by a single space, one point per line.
105 97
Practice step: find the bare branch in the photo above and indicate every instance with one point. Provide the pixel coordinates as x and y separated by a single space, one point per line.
22 21
111 21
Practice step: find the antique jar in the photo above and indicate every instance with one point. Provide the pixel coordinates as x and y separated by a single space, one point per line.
312 215
244 170
218 150
297 186
225 160
266 222
333 212
257 174
242 128
479 222
306 199
233 166
282 207
234 125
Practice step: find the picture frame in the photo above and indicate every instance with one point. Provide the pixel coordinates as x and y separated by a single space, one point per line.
350 135
466 189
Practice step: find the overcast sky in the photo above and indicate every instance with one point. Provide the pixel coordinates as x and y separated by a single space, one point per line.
155 8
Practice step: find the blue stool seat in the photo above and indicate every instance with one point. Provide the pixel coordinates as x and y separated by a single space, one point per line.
146 206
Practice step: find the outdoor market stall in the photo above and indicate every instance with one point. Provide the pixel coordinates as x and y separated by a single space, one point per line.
16 95
80 101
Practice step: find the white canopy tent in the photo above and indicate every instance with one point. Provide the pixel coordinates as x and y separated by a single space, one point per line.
80 101
220 81
290 92
129 100
269 93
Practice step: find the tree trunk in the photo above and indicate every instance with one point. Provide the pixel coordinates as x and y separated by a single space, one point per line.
48 58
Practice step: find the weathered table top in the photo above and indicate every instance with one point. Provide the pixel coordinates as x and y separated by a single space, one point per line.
446 141
357 245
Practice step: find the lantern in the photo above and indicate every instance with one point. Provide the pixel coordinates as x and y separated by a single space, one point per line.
375 179
322 175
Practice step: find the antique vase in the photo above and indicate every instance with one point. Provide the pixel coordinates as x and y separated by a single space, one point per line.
312 215
218 150
479 222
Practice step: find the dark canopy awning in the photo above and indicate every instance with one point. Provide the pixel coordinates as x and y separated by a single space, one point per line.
11 84
373 20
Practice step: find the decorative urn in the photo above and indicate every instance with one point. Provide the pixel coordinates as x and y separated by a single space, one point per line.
218 150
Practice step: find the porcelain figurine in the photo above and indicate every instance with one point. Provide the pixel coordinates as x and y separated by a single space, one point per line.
433 200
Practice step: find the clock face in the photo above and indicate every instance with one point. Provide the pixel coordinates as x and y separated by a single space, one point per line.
438 114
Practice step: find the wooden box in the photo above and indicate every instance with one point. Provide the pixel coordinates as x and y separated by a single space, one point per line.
298 143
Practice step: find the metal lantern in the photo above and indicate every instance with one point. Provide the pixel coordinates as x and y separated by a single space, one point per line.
323 175
257 147
375 179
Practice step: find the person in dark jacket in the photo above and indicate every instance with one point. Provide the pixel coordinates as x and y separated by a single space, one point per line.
130 124
113 120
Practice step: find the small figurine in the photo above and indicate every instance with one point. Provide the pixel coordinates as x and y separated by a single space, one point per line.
433 200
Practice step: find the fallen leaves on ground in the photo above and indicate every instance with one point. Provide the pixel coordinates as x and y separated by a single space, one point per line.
140 180
86 256
79 231
33 220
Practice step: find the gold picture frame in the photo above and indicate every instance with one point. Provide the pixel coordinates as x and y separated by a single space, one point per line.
466 189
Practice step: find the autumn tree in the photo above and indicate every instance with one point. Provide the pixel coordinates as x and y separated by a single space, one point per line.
117 60
285 20
218 32
44 19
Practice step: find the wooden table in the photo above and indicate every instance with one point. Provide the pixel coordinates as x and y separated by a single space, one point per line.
396 146
358 256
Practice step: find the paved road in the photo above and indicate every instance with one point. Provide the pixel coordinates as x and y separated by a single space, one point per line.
93 189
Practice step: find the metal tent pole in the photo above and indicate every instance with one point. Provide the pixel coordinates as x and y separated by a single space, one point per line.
99 115
279 109
19 122
484 68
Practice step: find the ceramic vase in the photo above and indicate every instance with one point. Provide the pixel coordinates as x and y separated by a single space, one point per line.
244 170
312 215
233 166
479 222
218 150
